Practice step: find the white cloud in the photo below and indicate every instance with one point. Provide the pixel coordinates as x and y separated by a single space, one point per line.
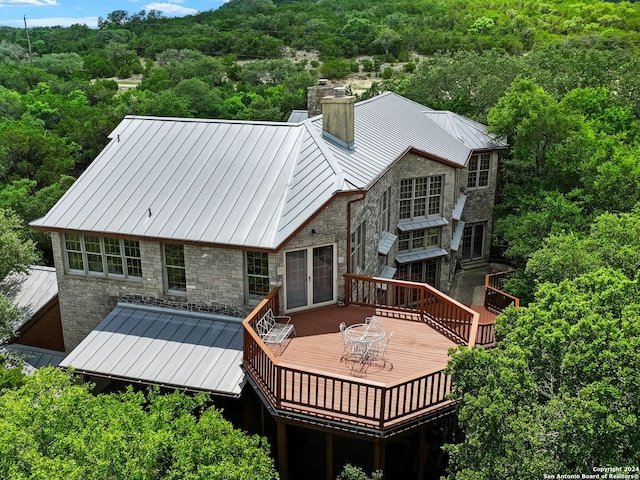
171 9
27 3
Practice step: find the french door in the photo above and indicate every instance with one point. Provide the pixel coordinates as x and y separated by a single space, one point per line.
473 242
310 277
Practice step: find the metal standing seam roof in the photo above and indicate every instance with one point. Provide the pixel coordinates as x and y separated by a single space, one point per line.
471 133
419 255
35 357
169 347
238 183
30 291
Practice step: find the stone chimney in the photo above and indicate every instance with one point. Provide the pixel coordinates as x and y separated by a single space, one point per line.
338 118
315 95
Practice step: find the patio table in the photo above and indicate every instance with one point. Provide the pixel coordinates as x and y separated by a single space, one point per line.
362 336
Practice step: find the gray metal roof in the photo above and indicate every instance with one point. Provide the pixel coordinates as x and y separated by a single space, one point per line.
225 182
35 357
420 224
459 207
387 239
419 255
246 184
386 127
30 291
469 132
175 348
457 236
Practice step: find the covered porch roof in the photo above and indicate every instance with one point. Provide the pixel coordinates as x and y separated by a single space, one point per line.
168 347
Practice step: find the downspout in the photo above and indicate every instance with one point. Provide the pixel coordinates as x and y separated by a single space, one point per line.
363 194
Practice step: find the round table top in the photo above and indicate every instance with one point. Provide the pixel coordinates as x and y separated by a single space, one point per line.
363 332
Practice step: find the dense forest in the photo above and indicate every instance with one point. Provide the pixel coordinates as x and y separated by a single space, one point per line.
560 79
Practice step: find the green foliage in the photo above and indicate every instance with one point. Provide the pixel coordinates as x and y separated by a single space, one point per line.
351 472
16 253
52 428
557 393
335 69
11 376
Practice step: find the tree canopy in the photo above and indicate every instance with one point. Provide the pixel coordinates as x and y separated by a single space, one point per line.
558 393
52 428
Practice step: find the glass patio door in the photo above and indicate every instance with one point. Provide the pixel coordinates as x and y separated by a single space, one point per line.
303 289
473 242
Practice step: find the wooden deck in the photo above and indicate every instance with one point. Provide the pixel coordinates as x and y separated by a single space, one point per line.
415 348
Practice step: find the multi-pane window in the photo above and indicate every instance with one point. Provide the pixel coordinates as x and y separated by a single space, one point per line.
175 270
479 165
425 271
357 248
257 275
420 197
418 239
385 211
110 257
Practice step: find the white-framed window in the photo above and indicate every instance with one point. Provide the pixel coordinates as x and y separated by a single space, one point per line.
103 256
419 239
385 211
175 272
257 275
420 197
479 166
358 247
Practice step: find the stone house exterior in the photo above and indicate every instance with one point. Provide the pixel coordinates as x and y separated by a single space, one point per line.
217 213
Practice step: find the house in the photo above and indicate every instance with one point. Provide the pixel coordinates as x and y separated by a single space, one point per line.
39 333
182 228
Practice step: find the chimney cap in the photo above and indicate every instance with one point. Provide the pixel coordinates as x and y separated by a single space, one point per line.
323 81
339 91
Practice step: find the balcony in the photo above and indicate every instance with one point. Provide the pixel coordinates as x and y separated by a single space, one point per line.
305 379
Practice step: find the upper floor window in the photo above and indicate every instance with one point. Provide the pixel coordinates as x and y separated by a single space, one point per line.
175 270
102 256
357 248
418 239
257 277
479 165
420 197
385 211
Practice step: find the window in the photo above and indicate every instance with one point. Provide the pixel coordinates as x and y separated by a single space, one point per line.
425 271
175 271
479 165
101 256
420 197
357 248
385 211
257 275
418 239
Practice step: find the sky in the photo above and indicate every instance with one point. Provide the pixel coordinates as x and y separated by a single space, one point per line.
49 13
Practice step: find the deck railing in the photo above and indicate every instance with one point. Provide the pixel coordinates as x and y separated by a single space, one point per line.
424 302
332 396
495 298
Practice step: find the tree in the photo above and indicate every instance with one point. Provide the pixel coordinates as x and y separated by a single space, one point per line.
16 255
558 391
52 428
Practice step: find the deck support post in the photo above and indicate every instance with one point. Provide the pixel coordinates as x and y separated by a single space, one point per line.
378 454
422 444
329 456
283 460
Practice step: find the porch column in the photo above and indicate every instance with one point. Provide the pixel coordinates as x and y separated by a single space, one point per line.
422 444
378 454
283 457
329 456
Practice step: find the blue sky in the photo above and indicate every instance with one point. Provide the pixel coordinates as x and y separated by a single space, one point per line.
48 13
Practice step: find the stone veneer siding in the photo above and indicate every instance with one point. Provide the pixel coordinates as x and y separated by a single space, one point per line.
410 166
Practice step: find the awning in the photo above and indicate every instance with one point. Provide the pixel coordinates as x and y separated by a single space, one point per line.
457 236
34 357
168 347
407 226
420 255
387 239
459 207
